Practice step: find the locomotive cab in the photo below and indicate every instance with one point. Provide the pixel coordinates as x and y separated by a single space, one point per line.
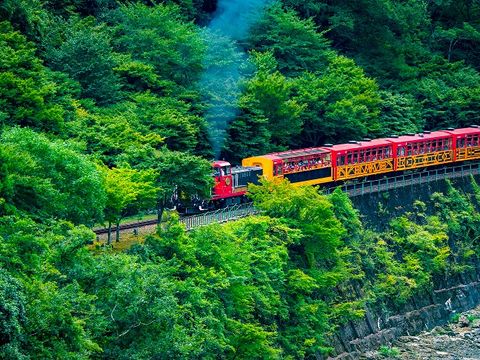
222 173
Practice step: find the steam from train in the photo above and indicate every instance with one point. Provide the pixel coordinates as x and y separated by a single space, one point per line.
225 63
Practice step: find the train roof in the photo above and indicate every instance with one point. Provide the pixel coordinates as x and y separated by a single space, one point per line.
359 145
296 153
221 163
465 131
421 136
240 169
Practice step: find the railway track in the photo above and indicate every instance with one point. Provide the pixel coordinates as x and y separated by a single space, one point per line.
127 226
218 216
357 189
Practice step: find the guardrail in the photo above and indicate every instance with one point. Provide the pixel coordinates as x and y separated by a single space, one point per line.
236 212
219 216
414 178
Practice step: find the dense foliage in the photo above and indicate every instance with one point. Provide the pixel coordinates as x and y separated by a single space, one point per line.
112 107
123 75
271 286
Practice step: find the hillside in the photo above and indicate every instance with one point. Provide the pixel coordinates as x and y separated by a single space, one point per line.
109 108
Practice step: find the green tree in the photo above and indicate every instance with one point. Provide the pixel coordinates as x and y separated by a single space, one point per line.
180 177
27 91
341 104
295 42
83 50
270 118
171 118
111 133
12 317
40 301
48 179
456 30
448 93
127 190
158 36
305 209
270 93
399 114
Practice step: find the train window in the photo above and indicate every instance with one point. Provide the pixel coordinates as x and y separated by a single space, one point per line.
400 151
379 154
278 170
226 170
460 143
216 171
341 160
355 157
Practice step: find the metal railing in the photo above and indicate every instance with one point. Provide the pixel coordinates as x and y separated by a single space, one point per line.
236 212
353 189
230 213
414 178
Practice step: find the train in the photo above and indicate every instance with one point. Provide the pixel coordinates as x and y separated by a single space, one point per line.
356 160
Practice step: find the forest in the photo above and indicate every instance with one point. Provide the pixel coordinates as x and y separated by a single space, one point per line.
108 107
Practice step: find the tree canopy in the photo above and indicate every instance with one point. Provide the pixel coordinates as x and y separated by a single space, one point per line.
110 108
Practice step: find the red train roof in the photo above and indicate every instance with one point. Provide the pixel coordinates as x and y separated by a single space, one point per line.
418 137
372 143
220 163
360 145
465 131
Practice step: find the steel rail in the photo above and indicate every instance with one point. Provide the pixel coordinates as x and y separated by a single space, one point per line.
236 212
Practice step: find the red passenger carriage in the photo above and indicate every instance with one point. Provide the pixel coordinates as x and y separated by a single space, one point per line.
357 159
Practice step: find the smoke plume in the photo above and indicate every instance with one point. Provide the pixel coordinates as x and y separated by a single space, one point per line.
225 63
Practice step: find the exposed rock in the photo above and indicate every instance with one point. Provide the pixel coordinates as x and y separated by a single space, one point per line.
358 340
455 341
463 321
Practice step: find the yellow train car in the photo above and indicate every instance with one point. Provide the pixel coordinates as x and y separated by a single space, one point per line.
311 166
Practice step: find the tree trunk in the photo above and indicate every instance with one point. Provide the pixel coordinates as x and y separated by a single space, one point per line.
160 209
117 234
109 236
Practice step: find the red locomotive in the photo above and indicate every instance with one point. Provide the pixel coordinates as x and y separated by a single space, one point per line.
357 159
